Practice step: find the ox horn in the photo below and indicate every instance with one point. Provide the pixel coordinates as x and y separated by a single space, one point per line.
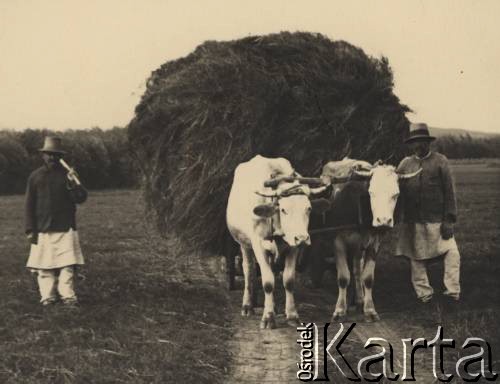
404 176
363 173
318 190
361 170
318 182
272 194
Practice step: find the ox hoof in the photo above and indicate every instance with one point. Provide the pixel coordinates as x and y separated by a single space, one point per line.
294 322
371 317
338 318
246 311
269 322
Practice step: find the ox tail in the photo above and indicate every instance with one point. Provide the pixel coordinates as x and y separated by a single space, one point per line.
351 289
279 263
282 248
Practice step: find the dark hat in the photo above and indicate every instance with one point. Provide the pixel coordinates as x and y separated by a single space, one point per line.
419 131
52 144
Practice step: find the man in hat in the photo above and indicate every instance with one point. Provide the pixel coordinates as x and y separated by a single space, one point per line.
429 211
51 197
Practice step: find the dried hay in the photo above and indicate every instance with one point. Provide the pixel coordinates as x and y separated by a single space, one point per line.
296 95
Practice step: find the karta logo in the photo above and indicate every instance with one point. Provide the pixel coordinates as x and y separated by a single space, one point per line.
383 357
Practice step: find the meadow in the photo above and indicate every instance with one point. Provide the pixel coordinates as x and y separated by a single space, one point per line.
147 315
151 315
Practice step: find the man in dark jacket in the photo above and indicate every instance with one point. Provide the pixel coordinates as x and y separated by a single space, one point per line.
429 211
50 225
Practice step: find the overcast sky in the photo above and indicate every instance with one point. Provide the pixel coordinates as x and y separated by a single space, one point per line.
69 64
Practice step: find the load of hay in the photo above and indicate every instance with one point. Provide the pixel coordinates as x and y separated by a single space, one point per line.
296 95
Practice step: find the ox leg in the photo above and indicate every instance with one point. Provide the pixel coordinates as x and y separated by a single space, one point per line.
267 275
368 279
289 283
248 264
357 267
343 279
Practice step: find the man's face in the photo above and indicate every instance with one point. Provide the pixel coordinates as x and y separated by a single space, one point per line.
420 147
51 159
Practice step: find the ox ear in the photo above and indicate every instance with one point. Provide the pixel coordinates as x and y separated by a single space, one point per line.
320 205
265 210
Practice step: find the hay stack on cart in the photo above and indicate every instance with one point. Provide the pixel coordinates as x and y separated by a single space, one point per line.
297 95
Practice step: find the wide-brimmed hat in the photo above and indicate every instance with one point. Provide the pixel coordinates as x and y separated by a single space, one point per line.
419 131
52 144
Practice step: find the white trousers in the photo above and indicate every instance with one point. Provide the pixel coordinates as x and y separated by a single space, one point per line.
48 283
451 276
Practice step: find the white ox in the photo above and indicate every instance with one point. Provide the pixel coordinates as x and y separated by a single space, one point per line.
362 245
256 215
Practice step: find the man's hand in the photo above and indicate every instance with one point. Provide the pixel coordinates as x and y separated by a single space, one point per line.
32 238
72 176
73 180
446 230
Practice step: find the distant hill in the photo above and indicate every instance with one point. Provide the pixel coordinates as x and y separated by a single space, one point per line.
438 132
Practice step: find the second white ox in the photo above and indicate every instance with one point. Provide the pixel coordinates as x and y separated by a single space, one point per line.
256 215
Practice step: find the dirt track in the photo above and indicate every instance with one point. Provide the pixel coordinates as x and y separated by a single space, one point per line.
271 356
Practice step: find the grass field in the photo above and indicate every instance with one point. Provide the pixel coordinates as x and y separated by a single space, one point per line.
150 315
147 315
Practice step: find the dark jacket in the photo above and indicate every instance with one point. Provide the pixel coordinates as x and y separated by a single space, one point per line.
50 204
428 197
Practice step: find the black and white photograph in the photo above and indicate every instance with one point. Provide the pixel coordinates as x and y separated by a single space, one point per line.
231 192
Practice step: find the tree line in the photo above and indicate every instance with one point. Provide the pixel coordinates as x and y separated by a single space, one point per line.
468 147
102 157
